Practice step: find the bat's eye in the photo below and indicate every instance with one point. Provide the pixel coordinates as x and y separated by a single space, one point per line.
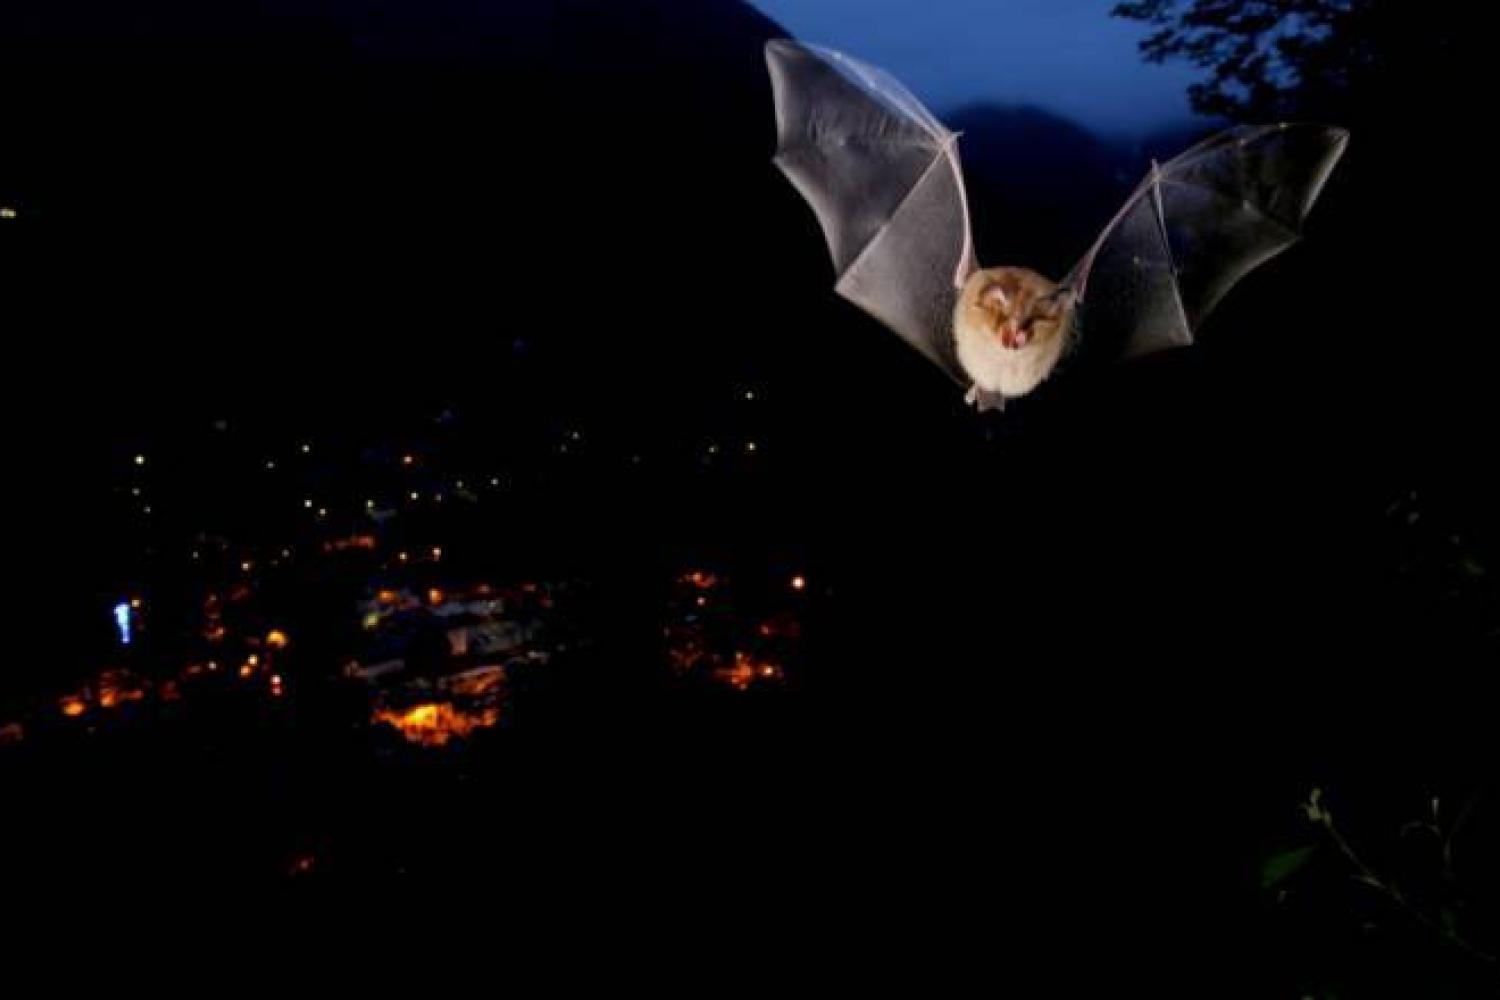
995 297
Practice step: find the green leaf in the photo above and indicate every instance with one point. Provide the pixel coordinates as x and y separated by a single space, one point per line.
1284 864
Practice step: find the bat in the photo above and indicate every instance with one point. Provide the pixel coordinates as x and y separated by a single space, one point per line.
884 179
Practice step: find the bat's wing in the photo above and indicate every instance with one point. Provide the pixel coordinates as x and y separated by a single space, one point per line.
1193 228
883 176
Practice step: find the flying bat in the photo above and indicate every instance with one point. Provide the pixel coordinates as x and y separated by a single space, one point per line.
883 176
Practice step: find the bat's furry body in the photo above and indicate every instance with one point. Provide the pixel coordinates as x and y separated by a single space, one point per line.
989 300
883 176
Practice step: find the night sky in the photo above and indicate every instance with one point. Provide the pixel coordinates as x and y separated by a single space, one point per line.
1067 56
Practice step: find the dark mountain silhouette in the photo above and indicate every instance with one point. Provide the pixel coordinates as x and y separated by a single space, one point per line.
1040 186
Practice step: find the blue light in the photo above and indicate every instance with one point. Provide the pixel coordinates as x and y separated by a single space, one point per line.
122 621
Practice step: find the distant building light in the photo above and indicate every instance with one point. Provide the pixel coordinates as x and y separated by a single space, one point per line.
122 621
306 449
407 459
415 495
6 212
307 504
140 460
276 639
437 552
799 583
750 446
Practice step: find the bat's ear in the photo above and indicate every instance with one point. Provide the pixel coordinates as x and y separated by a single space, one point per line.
1058 302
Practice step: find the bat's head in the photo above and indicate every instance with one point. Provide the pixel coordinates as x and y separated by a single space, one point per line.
1015 306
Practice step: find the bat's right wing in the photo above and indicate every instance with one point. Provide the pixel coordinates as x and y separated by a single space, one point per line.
883 176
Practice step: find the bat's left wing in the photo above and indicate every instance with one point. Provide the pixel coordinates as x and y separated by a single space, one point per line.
1193 228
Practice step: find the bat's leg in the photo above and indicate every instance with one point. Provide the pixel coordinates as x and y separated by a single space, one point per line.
983 400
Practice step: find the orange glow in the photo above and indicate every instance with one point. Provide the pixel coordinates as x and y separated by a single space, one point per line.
435 596
478 683
434 724
364 542
276 639
246 670
253 660
745 671
73 707
117 687
135 602
437 553
700 579
739 676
